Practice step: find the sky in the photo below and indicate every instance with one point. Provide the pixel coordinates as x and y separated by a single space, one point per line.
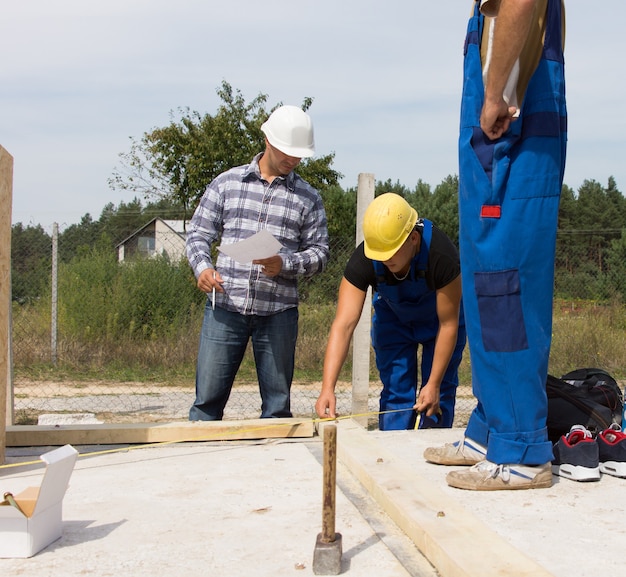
79 79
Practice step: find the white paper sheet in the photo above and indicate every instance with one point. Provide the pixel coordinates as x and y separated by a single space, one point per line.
260 245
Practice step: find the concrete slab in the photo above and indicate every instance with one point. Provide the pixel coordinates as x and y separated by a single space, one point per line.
224 509
570 529
254 508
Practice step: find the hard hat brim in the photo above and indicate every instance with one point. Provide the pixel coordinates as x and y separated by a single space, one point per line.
295 152
382 255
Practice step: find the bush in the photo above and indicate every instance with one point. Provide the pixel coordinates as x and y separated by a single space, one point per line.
142 299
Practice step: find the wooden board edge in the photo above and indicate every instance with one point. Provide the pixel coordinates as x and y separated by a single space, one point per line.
137 433
455 542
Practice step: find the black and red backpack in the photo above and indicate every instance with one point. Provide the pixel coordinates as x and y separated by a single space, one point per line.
589 397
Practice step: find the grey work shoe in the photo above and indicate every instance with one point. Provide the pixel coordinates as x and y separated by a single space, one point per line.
464 452
487 476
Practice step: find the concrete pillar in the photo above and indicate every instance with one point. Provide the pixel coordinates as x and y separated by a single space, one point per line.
6 200
361 337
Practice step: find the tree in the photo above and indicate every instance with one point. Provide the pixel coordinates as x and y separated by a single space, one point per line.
443 208
567 208
590 224
421 197
616 261
179 161
617 202
597 215
113 226
388 186
31 257
340 207
77 237
119 223
565 250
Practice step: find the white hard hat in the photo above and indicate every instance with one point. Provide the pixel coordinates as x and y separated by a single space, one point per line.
290 130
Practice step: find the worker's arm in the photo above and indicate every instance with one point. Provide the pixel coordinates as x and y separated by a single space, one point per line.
511 31
349 308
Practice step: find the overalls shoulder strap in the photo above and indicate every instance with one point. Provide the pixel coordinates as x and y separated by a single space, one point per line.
379 269
427 235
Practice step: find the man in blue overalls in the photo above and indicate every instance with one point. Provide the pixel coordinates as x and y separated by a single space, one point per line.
414 270
512 157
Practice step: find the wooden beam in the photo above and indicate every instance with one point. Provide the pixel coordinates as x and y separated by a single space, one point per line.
6 201
455 542
114 434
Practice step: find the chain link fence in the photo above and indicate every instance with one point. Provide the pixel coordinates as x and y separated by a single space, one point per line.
108 334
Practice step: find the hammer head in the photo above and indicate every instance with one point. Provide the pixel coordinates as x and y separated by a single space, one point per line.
327 556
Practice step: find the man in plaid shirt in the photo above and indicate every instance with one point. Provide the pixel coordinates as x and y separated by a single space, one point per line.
257 300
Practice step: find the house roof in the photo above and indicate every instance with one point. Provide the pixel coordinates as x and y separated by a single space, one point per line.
177 226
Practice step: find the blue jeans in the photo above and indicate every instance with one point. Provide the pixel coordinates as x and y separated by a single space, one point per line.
223 342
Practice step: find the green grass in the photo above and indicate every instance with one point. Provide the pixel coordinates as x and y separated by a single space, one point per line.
584 335
589 335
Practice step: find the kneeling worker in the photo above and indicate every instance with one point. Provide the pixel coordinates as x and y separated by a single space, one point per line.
414 271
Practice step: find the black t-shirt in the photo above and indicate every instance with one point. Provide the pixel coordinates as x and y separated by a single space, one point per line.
443 265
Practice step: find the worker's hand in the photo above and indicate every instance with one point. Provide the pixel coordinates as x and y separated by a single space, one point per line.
208 279
428 401
271 266
496 117
326 405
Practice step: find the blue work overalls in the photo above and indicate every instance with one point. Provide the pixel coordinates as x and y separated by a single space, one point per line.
405 316
509 193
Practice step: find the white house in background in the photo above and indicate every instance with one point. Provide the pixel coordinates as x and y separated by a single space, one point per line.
157 237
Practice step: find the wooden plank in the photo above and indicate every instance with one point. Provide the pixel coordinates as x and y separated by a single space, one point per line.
113 434
6 201
455 542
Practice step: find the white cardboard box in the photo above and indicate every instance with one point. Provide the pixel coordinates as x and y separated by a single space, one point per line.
32 519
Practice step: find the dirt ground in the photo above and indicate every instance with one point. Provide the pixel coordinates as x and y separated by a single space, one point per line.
140 402
39 389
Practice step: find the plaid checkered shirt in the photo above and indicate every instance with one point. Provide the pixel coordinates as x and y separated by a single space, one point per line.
239 203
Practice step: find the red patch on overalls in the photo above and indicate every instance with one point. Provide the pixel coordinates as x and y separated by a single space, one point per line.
490 211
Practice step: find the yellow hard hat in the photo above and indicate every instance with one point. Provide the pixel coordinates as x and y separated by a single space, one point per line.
387 223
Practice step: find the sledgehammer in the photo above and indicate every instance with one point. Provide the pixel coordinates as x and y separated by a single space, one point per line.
327 554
